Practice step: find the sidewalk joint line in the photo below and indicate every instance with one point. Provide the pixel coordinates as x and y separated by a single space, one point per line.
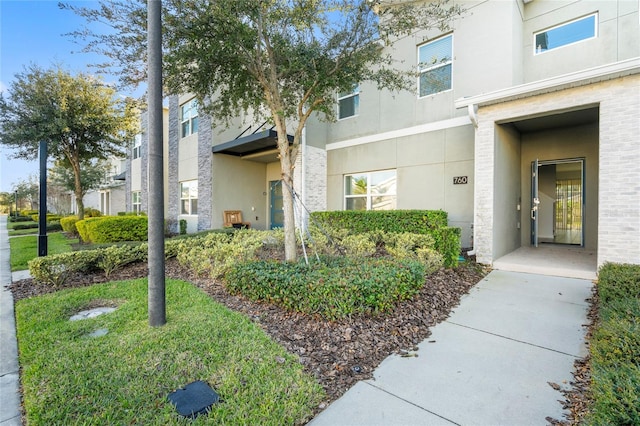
409 402
515 340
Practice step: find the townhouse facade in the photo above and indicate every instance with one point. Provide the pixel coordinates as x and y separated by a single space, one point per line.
524 126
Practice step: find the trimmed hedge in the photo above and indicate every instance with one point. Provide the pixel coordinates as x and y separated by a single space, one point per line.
111 229
68 224
361 221
430 222
333 289
615 348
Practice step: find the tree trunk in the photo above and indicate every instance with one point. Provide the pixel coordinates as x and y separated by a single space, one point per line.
79 193
286 170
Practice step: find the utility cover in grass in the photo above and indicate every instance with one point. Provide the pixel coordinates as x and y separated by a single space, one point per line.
194 399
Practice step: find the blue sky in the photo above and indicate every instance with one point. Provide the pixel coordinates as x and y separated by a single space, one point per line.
32 32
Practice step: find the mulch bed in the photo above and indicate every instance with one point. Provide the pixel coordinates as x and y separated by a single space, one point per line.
339 353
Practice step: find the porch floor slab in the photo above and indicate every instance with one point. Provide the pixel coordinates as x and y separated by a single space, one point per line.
550 259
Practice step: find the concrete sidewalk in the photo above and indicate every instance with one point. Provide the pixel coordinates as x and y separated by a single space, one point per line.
9 369
490 363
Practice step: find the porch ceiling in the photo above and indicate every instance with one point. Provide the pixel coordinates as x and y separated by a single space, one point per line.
260 146
557 120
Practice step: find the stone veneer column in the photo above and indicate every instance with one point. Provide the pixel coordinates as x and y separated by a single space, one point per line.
144 162
314 195
173 189
205 172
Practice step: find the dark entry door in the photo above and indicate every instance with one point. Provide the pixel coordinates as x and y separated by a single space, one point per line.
276 210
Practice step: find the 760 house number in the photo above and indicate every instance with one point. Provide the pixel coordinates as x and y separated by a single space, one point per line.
460 180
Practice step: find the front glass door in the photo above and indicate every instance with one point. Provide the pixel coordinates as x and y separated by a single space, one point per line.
557 202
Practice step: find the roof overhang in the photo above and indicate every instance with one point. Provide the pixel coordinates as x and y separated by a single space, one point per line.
553 84
252 145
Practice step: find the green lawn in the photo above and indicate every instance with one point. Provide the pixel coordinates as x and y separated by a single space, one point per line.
124 377
25 248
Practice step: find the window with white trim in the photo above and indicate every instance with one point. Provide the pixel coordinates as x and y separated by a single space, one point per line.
137 142
189 197
189 117
135 201
565 34
370 191
435 61
349 103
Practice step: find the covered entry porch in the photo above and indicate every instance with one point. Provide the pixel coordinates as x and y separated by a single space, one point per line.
583 119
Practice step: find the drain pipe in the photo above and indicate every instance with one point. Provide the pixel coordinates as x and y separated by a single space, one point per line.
472 110
472 252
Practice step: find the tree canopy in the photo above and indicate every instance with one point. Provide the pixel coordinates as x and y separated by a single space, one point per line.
279 60
79 117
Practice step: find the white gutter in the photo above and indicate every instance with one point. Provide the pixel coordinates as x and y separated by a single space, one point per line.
579 78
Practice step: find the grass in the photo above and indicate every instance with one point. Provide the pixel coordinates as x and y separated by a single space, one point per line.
125 376
25 248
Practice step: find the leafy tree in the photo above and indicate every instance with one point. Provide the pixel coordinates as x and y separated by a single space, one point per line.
27 191
93 173
282 60
78 116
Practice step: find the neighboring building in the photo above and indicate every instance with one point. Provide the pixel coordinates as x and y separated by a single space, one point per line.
526 109
109 198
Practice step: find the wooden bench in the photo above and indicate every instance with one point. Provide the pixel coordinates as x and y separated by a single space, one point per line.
233 219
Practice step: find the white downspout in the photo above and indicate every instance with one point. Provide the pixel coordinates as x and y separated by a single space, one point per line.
472 109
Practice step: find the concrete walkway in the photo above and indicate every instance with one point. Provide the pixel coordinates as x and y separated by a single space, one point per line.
488 364
9 369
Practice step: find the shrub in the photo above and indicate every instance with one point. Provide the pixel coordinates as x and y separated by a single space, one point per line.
615 348
618 281
68 224
339 288
55 269
20 219
359 245
183 226
111 229
417 221
91 212
115 257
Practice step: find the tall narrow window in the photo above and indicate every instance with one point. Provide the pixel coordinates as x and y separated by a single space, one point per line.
565 34
135 201
189 117
349 103
370 191
189 197
137 142
435 60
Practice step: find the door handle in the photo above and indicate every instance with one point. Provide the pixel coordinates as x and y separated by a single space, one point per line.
533 213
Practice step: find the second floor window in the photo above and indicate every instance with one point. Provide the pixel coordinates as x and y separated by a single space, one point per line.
565 34
370 191
189 197
349 103
137 142
189 117
435 61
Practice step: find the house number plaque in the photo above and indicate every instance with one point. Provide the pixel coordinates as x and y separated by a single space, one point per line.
460 180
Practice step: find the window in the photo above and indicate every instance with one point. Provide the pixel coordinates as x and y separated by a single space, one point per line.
135 201
434 64
370 191
565 34
189 117
349 103
189 197
137 142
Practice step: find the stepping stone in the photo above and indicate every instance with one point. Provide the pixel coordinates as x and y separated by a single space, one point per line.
194 399
91 313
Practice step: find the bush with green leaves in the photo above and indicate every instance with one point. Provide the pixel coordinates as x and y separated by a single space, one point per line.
446 240
68 224
115 257
358 245
215 253
112 229
615 348
55 269
333 289
91 212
